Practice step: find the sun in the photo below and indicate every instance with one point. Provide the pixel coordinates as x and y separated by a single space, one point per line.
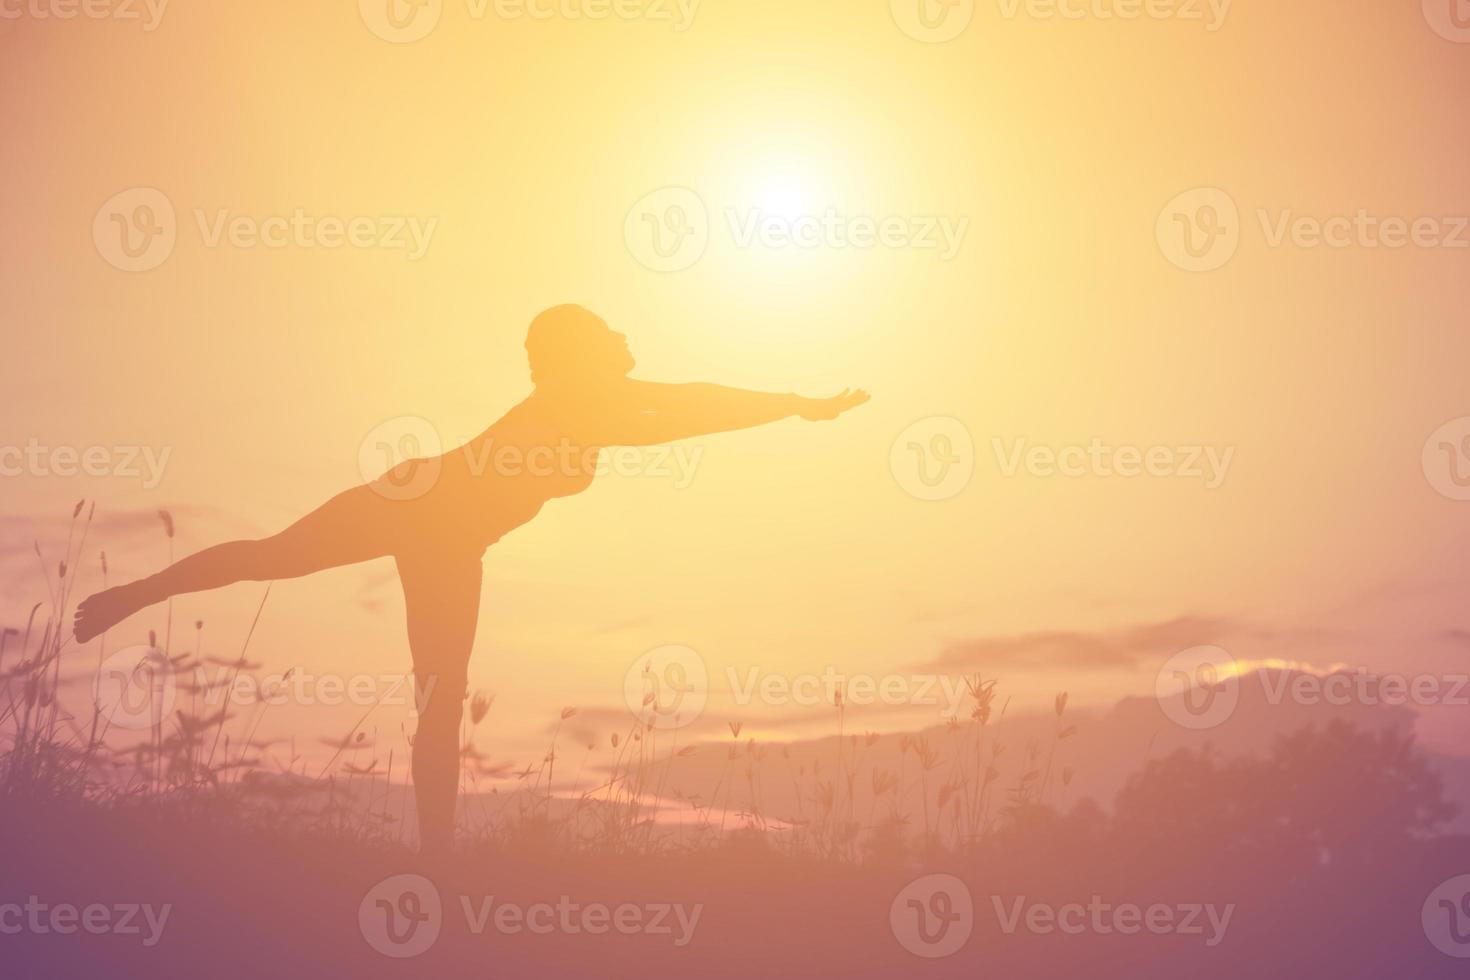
785 196
784 185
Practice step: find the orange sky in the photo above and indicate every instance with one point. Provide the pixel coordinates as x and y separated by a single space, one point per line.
1058 320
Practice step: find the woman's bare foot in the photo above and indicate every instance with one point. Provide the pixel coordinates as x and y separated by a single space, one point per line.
99 613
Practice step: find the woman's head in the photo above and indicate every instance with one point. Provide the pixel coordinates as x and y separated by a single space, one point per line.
570 344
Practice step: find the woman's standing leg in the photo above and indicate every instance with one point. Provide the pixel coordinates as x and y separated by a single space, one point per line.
442 598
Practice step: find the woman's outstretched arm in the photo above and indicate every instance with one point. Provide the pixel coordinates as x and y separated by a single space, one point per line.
650 413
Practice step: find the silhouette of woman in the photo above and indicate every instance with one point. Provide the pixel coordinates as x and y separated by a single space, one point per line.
436 516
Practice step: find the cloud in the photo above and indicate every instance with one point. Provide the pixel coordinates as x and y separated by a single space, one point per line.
1457 637
128 537
109 530
618 719
1077 650
623 626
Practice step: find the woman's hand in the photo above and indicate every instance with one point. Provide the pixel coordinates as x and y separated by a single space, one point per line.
827 409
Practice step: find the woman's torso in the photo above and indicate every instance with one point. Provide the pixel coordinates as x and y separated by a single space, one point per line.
503 477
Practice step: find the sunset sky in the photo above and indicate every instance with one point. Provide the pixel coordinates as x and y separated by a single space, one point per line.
522 149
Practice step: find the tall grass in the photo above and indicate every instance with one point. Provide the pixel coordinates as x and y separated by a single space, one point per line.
630 791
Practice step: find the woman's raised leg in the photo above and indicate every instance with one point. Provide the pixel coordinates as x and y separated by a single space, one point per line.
345 530
442 598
